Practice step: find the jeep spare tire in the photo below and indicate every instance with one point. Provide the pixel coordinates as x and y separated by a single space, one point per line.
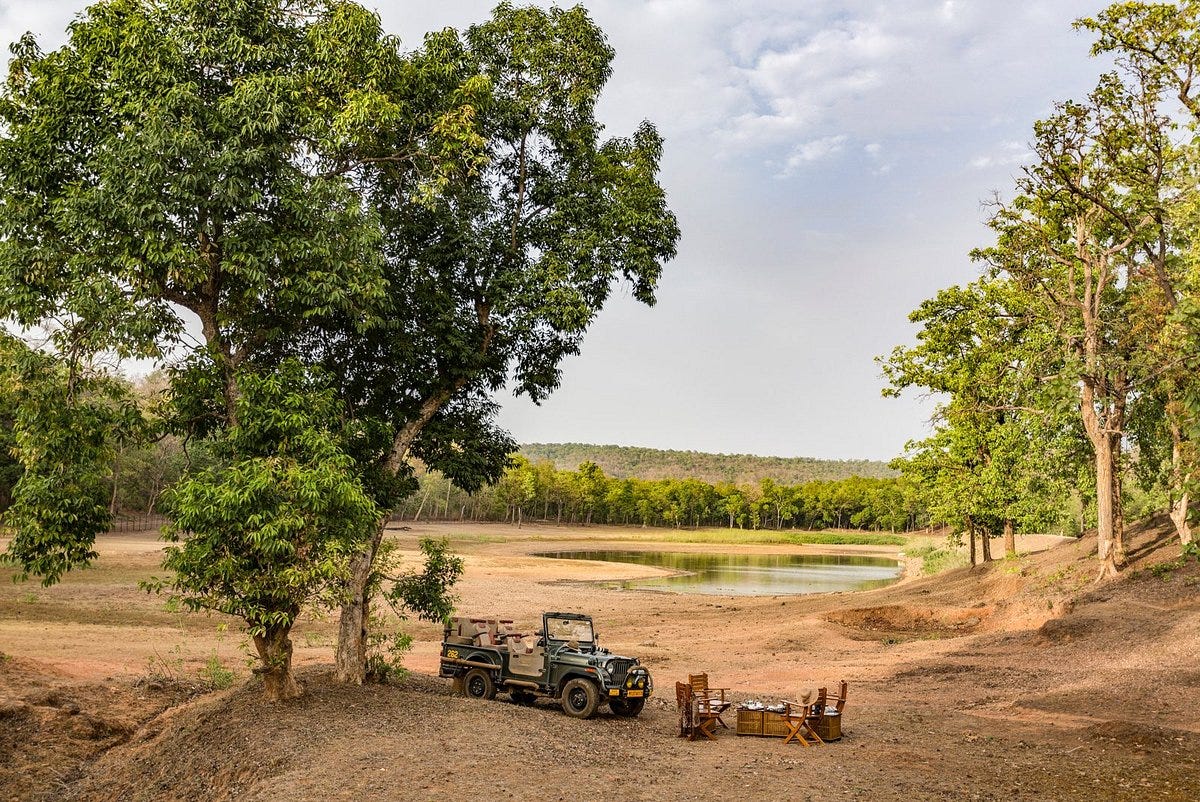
479 684
580 698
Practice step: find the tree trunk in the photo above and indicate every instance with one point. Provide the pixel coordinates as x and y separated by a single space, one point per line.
421 508
116 475
1179 513
1179 504
985 540
1010 539
351 659
275 651
1106 521
971 539
1105 435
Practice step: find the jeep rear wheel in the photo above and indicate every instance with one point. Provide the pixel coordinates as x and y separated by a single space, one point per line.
580 698
479 684
626 708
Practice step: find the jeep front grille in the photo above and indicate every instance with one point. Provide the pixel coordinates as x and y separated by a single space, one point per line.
619 669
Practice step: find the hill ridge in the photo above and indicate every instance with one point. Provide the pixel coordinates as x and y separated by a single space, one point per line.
656 463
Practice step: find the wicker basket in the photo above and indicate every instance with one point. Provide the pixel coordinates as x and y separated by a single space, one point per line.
830 728
749 722
774 725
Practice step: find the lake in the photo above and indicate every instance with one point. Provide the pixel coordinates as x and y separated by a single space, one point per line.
750 574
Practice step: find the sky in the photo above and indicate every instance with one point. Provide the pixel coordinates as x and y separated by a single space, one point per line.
829 163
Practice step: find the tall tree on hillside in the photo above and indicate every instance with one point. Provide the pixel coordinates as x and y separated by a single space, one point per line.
1076 258
981 347
1157 47
182 160
496 279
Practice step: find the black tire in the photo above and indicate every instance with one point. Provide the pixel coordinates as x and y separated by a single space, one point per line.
580 698
479 684
626 708
525 698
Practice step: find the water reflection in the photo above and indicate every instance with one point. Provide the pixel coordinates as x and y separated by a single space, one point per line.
751 574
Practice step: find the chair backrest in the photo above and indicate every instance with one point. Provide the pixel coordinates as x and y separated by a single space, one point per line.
683 694
817 711
698 683
841 697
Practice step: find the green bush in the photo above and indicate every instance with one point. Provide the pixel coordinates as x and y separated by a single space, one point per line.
936 559
215 674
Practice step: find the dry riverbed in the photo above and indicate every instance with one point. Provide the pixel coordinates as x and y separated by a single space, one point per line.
1020 680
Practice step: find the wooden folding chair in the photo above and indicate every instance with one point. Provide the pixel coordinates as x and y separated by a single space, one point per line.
839 700
712 700
683 698
694 719
797 716
816 716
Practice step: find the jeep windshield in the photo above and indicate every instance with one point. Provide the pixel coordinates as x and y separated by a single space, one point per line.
570 629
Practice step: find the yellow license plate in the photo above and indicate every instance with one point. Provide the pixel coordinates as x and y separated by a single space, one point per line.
614 692
634 694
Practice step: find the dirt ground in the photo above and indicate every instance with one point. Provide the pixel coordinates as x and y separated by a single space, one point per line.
1019 680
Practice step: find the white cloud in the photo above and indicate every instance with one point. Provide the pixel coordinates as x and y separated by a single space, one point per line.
753 78
814 151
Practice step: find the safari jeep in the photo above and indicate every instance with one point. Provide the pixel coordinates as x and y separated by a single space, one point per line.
561 661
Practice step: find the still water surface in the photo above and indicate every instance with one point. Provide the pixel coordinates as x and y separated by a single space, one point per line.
750 574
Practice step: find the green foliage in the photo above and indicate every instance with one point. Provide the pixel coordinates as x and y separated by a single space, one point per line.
541 492
846 539
273 527
66 424
216 674
498 275
385 652
997 452
937 559
427 593
172 143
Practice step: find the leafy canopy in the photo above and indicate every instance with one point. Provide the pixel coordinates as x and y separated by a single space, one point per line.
274 526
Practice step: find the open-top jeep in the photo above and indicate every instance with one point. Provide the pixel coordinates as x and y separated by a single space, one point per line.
561 661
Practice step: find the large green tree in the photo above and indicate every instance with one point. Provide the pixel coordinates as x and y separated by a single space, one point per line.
986 468
181 165
1155 46
496 279
426 226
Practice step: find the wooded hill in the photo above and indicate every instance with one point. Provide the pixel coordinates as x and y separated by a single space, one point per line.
624 462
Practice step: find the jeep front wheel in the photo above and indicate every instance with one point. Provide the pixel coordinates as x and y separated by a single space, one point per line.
479 684
626 708
580 698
